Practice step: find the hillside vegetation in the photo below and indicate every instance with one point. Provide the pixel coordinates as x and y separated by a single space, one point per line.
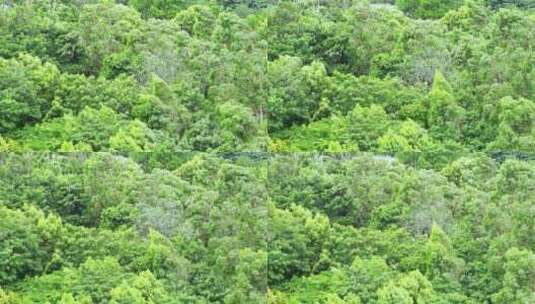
267 151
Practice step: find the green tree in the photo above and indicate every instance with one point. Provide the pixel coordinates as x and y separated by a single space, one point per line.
427 9
445 117
159 8
503 3
411 288
515 125
28 243
142 289
518 279
366 125
26 91
368 275
105 29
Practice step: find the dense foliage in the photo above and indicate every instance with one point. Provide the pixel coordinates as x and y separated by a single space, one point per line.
102 228
267 151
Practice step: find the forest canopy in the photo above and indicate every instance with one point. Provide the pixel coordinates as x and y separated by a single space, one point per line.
267 151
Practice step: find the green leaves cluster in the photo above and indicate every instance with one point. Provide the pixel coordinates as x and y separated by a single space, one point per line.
417 116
